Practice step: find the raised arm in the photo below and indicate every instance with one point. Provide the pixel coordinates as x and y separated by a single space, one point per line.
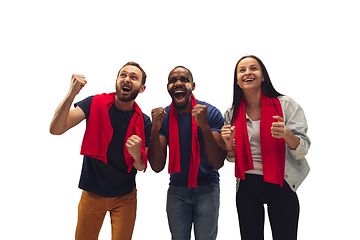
64 119
158 143
214 145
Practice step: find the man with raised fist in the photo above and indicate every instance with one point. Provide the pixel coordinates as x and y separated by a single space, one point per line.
114 147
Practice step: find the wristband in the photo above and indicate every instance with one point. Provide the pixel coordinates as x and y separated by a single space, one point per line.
228 150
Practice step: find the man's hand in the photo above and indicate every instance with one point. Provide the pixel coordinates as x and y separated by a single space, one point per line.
64 119
133 145
157 117
78 81
199 112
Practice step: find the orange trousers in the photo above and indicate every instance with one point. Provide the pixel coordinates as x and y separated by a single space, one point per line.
93 208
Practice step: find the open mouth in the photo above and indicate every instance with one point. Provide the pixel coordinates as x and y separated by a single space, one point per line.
179 94
249 80
126 89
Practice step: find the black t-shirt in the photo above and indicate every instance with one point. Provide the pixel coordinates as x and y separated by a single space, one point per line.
111 179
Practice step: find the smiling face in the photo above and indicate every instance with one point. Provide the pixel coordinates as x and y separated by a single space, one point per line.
180 86
129 83
249 74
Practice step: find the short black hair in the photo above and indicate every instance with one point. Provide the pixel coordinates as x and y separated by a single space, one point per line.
192 79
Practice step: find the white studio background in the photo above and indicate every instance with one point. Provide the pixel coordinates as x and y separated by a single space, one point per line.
310 48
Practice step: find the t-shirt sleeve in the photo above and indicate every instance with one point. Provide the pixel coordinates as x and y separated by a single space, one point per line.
148 126
85 105
164 130
215 119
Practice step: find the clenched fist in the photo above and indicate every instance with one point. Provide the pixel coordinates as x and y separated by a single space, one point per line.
78 81
157 117
133 145
199 112
227 134
278 129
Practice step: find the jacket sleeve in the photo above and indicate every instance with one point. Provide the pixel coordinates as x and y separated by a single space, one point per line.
295 120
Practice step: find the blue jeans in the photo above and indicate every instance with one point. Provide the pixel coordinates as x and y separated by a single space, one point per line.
199 205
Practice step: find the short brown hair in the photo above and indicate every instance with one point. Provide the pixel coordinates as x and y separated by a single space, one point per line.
138 66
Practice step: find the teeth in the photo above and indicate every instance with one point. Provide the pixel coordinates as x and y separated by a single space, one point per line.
248 80
126 89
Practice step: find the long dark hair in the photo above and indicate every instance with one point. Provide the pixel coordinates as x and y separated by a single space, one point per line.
266 87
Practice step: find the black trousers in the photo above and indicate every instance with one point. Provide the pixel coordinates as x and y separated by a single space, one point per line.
282 205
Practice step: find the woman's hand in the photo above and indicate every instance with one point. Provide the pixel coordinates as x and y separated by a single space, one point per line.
228 134
279 130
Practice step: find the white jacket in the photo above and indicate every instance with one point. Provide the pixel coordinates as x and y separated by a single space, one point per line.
296 166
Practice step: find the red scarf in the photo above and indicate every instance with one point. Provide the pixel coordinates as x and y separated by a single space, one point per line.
99 131
174 146
272 149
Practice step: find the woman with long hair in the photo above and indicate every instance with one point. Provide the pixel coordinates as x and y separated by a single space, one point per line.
265 135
